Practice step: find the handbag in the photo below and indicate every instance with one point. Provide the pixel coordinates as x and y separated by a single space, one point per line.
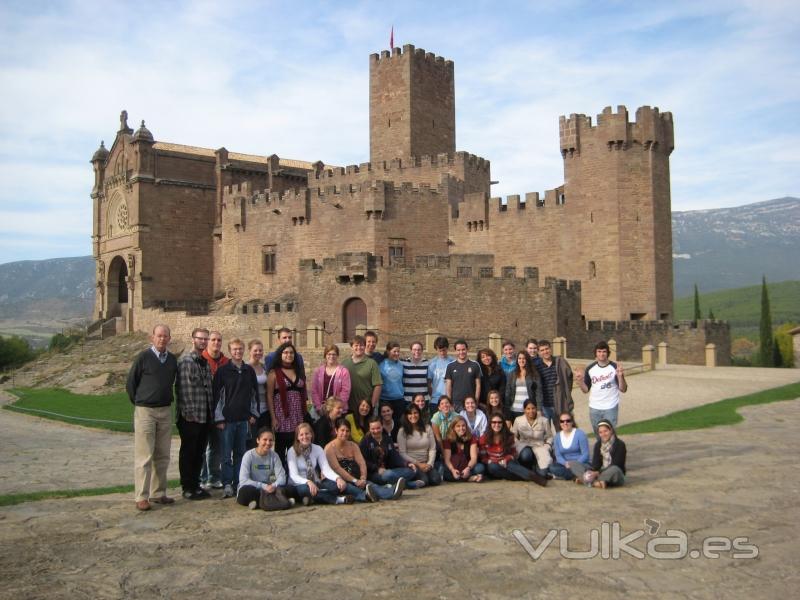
276 500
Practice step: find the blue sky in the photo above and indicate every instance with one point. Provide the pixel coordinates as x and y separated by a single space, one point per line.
292 79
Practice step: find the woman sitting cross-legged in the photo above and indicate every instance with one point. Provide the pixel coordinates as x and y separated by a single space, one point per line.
496 449
261 476
417 446
571 449
608 460
385 465
345 458
460 454
310 474
533 439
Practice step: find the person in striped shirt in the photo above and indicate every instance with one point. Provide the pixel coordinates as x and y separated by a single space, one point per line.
415 374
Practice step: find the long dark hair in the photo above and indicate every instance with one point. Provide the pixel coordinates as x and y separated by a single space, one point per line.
528 365
493 367
362 421
506 437
296 365
408 426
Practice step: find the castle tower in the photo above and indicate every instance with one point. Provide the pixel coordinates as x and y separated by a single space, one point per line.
411 104
617 190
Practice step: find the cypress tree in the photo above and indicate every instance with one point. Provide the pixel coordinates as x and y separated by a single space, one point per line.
697 314
711 316
766 349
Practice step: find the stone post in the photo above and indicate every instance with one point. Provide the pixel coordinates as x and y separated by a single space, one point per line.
559 346
662 353
649 357
496 343
314 336
711 355
273 336
612 347
430 337
361 330
266 337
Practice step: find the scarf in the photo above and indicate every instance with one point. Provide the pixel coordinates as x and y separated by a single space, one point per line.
311 472
605 451
281 380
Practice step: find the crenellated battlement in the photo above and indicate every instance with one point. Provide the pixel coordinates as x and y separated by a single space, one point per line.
408 51
394 169
651 130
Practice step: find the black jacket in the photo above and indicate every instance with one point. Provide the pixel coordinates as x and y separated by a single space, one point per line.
618 455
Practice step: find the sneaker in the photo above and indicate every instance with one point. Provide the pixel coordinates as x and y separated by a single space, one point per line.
307 500
398 488
371 495
192 495
228 493
205 486
202 494
291 502
415 485
217 485
252 505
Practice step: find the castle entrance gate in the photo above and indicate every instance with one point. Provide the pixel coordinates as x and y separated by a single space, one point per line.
354 313
117 288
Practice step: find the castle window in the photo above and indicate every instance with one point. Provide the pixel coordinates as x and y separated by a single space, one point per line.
509 272
592 269
244 309
561 199
266 308
487 272
277 307
464 271
397 251
268 259
289 307
255 309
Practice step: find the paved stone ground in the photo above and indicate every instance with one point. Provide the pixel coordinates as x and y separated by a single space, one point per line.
454 541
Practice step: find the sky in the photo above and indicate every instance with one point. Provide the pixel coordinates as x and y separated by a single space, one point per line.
292 79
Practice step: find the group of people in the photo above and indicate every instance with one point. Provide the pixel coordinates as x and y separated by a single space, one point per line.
368 427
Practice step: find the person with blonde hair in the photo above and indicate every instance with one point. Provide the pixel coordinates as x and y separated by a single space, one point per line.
325 427
310 474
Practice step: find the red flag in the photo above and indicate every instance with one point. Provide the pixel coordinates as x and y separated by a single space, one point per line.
391 39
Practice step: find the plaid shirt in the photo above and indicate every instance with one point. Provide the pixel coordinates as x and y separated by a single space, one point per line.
193 388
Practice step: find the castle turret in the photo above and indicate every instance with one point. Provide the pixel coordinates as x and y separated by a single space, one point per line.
411 104
142 142
616 186
98 162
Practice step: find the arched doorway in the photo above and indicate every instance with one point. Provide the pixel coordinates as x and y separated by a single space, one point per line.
117 294
354 313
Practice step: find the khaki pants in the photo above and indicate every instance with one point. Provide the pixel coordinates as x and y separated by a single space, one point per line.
152 437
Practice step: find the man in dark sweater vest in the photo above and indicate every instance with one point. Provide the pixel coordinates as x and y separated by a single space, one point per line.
150 384
236 402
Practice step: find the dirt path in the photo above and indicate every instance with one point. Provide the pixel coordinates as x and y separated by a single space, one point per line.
446 542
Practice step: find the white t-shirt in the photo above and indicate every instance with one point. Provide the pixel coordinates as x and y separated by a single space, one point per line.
603 385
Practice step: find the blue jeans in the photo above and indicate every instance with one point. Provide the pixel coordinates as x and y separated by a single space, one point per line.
210 470
383 493
549 412
560 471
513 471
392 475
609 414
478 469
232 443
327 492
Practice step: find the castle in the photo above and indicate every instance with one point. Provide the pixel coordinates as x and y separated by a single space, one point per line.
409 242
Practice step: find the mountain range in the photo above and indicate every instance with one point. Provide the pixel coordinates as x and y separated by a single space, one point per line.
716 248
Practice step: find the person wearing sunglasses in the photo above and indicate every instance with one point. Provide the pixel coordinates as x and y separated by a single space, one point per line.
497 452
571 449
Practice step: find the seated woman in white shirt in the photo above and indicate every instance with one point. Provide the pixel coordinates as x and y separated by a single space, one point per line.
310 474
474 416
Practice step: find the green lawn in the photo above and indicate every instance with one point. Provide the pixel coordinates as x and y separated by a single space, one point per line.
715 414
112 411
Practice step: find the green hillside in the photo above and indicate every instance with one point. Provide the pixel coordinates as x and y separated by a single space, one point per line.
742 306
